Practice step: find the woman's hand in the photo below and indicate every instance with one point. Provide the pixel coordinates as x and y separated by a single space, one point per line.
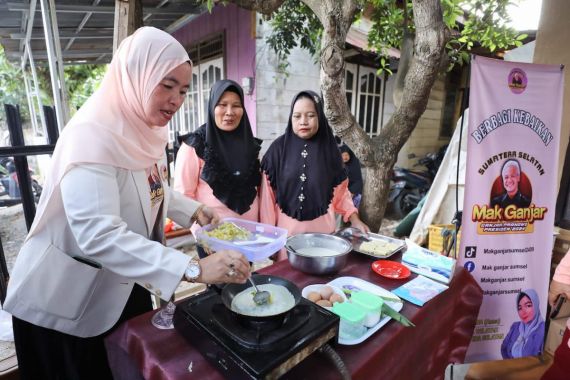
357 223
224 266
207 215
557 289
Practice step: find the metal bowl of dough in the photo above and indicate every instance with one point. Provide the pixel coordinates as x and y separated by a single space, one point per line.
316 253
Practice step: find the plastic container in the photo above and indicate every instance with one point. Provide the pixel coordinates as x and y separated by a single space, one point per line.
253 252
351 320
371 304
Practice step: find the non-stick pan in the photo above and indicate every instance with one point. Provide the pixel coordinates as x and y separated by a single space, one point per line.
231 290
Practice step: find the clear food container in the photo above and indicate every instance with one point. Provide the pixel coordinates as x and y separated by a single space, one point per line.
257 241
351 320
371 304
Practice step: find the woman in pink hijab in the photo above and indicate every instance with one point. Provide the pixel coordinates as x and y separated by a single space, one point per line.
93 255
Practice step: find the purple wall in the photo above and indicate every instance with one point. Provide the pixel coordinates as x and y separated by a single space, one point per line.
239 55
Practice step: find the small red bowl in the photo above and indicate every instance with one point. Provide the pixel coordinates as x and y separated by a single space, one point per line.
391 269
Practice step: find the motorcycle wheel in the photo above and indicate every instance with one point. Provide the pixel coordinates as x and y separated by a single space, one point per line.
36 190
403 204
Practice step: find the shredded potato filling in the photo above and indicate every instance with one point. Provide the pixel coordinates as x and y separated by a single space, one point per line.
229 232
377 247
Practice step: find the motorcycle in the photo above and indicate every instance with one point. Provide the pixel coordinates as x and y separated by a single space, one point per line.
9 184
409 186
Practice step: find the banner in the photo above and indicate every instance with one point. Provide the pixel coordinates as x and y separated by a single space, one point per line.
510 194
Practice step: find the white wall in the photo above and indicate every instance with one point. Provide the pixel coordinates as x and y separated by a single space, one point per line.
425 137
275 89
552 48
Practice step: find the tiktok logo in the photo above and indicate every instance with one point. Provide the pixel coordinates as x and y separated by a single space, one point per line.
470 252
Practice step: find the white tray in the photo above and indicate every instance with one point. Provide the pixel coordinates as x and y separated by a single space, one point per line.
356 241
354 283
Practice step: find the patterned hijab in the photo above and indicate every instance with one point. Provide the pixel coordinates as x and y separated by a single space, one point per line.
231 159
304 173
111 127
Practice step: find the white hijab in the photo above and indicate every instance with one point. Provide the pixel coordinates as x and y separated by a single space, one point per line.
111 127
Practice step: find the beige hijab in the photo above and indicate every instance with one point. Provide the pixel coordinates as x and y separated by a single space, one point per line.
110 128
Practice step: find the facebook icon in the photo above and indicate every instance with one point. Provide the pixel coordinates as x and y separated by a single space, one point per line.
470 266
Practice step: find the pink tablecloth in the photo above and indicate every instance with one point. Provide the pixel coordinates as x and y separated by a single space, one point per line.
443 330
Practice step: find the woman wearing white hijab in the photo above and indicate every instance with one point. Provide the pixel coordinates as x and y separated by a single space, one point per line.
90 252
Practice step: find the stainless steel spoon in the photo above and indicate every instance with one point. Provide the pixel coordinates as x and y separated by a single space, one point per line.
261 297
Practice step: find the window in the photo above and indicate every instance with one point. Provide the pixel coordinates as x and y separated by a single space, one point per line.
364 93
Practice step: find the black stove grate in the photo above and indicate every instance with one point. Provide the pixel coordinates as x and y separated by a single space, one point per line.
241 352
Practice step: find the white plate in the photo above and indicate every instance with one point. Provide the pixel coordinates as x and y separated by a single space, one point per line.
354 283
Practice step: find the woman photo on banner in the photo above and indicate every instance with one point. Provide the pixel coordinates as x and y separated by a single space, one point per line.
94 253
305 182
526 337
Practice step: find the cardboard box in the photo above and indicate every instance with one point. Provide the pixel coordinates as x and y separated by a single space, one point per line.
555 332
435 240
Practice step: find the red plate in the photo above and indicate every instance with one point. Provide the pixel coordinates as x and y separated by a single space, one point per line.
391 269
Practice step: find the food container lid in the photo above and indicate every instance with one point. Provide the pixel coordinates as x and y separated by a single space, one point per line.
366 300
349 312
271 239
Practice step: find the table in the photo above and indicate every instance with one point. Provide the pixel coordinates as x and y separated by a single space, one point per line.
443 330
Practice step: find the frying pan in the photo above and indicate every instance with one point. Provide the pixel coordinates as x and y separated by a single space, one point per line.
231 290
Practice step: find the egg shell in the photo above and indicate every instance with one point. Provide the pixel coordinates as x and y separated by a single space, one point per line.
324 303
326 292
314 296
336 298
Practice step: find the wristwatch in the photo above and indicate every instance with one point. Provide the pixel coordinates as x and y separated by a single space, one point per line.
193 271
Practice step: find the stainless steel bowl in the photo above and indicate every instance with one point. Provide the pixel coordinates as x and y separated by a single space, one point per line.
317 264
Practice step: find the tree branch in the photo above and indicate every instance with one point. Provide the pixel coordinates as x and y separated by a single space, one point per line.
316 7
429 50
266 7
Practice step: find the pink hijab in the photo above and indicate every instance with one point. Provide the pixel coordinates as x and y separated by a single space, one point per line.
110 128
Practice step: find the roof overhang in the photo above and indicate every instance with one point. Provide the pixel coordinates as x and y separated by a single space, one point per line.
85 26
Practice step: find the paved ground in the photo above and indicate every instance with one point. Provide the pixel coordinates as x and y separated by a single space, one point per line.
12 234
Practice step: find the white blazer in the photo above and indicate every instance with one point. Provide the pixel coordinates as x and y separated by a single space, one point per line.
104 221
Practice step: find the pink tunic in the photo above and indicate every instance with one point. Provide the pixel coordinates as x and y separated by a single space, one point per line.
270 212
188 182
562 275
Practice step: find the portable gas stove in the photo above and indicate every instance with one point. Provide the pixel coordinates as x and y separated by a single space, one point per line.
253 351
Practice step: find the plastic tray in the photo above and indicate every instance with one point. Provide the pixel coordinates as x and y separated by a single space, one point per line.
356 241
354 283
255 252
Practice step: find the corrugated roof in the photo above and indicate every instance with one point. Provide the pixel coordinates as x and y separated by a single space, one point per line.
85 26
358 36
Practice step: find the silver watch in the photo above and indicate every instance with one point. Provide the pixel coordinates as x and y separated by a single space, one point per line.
193 271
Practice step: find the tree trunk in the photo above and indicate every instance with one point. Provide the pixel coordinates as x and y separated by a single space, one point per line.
128 18
377 155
